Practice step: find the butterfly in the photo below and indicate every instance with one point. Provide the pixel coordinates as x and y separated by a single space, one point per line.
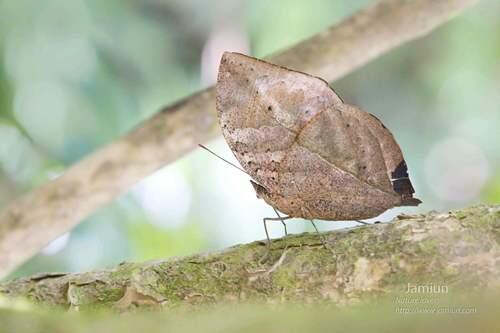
310 155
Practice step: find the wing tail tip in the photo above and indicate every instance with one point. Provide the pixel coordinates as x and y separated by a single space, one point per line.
410 201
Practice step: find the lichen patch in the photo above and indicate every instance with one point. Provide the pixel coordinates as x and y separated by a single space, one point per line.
368 273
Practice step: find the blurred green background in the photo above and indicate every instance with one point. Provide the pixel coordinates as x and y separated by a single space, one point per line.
75 75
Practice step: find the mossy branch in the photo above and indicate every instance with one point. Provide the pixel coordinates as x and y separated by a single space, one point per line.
456 250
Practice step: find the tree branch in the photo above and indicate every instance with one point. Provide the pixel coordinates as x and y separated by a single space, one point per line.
30 222
457 250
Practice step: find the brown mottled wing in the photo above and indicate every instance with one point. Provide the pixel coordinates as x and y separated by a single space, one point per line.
262 108
395 164
315 155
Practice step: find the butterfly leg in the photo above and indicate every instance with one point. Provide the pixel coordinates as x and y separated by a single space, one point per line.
320 236
268 240
282 219
362 222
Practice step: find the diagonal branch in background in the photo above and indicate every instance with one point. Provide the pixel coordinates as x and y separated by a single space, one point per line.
29 223
368 261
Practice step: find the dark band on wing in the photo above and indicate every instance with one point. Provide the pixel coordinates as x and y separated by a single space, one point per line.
402 185
401 171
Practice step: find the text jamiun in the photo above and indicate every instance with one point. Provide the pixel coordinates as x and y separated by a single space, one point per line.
429 288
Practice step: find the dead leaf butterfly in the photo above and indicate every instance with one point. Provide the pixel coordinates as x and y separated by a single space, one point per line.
310 154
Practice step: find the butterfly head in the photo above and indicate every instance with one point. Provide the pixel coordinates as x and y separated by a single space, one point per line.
261 191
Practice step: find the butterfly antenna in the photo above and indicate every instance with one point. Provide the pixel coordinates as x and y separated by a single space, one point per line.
234 165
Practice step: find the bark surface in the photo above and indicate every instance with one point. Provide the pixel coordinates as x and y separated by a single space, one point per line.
458 250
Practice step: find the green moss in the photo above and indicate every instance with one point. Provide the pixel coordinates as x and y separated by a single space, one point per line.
124 271
285 279
428 246
460 215
179 280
